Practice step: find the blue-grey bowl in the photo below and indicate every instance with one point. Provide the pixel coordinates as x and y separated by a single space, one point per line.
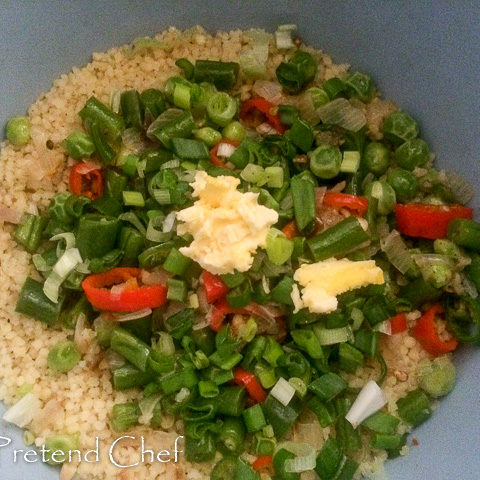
424 55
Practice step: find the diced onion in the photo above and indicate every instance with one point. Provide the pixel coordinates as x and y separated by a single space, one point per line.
342 113
126 317
283 391
24 411
51 287
225 150
10 215
114 360
135 141
305 456
369 401
296 298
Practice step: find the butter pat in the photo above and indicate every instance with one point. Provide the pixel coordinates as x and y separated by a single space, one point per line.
227 225
323 281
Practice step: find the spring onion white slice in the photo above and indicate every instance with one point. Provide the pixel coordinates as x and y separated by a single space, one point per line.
147 406
342 113
396 251
24 411
332 336
125 317
283 37
305 456
225 150
253 62
182 395
40 263
115 100
369 401
384 327
67 262
283 391
175 163
169 222
296 298
162 196
83 267
69 239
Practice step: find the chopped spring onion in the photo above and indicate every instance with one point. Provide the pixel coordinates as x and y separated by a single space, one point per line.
342 113
24 411
437 377
162 196
175 163
69 239
126 317
332 336
274 177
253 62
283 391
283 36
296 298
182 395
436 269
384 327
305 456
369 401
397 252
134 220
350 162
155 235
133 199
40 263
225 150
253 174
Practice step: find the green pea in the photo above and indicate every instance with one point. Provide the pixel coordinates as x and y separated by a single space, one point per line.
63 357
325 161
404 183
385 195
359 86
18 131
413 153
208 135
377 158
234 131
400 127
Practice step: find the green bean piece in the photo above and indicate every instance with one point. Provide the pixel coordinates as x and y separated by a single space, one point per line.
301 134
115 184
103 149
325 411
347 437
61 446
231 401
221 108
297 72
232 436
95 112
124 416
188 149
153 103
404 183
154 256
33 303
349 358
222 74
154 159
376 158
131 242
337 240
131 107
328 386
414 408
359 86
186 66
130 347
128 376
254 418
107 262
58 210
384 193
465 233
200 442
96 235
329 459
79 145
399 127
413 153
18 131
29 232
180 126
174 382
325 161
63 357
303 193
307 341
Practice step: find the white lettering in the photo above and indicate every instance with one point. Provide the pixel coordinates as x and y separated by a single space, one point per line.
177 451
79 455
96 451
44 452
15 455
112 448
5 439
150 452
61 455
164 453
32 453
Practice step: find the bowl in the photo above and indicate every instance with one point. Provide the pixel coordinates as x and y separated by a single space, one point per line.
423 55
